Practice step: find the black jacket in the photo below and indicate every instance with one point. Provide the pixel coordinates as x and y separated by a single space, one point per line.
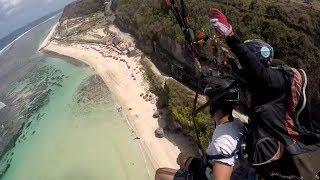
271 93
266 85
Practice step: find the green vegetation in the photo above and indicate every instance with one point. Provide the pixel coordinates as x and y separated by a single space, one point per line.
80 18
82 8
93 21
155 82
76 29
292 27
179 101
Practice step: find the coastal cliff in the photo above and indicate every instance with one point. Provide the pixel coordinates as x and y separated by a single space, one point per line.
292 28
96 33
140 89
158 36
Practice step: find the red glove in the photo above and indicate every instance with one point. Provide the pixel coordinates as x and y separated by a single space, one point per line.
220 22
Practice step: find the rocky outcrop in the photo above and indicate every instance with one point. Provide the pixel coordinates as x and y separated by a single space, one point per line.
123 26
178 51
159 133
176 127
156 115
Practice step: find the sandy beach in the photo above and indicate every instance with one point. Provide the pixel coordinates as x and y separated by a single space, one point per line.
47 39
124 77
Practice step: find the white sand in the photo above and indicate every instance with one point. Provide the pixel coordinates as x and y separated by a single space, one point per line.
48 38
119 71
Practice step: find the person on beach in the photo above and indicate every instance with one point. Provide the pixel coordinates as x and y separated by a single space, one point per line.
283 141
222 161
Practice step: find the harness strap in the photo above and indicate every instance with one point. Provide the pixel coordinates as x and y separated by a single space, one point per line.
305 82
221 156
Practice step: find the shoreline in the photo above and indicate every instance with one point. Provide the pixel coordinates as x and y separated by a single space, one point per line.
125 80
47 40
11 43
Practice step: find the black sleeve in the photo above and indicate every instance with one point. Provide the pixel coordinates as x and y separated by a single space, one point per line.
256 73
234 66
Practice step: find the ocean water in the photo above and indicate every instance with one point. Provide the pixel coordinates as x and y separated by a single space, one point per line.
70 125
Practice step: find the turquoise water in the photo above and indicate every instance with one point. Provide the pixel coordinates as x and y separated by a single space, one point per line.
73 129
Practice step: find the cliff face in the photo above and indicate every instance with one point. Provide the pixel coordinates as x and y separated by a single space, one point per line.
293 30
82 8
171 57
178 51
84 21
166 43
292 27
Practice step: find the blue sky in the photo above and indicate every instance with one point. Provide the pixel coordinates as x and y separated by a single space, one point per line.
17 13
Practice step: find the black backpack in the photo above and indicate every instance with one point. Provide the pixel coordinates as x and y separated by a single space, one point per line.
289 149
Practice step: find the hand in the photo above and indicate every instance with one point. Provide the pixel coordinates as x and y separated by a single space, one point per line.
220 23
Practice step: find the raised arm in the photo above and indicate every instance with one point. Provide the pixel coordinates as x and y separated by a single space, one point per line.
256 72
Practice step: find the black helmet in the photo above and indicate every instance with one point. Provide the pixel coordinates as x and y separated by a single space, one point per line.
262 50
216 87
